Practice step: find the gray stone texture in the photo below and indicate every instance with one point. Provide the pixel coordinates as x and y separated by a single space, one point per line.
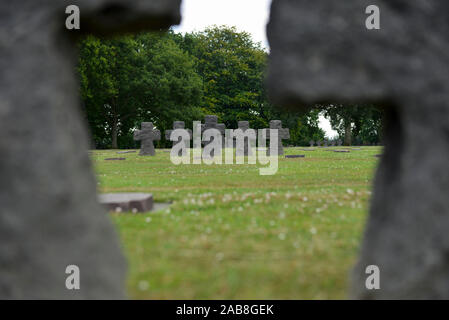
247 149
50 217
283 133
146 136
211 122
328 55
127 202
178 125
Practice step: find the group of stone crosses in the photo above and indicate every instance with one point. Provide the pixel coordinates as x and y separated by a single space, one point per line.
48 185
320 143
148 133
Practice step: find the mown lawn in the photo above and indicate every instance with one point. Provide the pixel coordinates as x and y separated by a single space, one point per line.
233 234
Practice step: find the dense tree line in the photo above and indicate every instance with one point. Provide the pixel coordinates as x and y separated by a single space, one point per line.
167 76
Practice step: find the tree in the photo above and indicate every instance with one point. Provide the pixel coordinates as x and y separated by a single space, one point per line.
233 69
145 77
360 122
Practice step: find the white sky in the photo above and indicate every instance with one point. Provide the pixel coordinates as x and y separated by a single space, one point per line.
246 15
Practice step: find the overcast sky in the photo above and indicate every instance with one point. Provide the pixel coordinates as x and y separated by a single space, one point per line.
246 15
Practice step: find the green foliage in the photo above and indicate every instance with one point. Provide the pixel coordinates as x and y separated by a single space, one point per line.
360 124
164 77
124 81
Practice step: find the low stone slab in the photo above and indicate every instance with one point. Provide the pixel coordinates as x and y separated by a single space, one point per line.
131 151
345 151
124 202
295 156
114 159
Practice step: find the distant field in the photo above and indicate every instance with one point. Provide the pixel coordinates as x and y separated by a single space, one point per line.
233 234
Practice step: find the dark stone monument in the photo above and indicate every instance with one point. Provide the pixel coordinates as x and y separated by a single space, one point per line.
293 156
127 202
329 55
178 125
211 122
146 136
247 150
283 133
50 217
112 159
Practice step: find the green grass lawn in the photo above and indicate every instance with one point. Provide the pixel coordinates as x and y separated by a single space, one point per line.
233 234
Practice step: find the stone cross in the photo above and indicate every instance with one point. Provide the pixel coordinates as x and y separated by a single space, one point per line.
146 136
333 142
283 133
178 125
247 150
50 217
319 143
339 142
326 143
311 142
403 67
211 122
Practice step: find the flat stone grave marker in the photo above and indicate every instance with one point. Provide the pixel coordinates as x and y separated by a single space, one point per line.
124 202
123 152
292 156
114 159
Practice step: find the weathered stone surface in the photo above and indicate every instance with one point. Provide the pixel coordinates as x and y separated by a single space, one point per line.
50 217
328 55
293 156
211 122
247 149
127 202
311 143
114 159
146 136
178 125
283 133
